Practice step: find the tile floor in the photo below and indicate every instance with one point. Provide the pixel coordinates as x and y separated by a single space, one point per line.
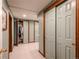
26 51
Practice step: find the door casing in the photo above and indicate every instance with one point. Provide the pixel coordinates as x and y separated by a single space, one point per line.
10 33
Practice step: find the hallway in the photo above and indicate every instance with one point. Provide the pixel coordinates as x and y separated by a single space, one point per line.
26 51
39 29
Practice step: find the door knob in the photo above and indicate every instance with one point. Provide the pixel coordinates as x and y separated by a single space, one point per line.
73 44
3 50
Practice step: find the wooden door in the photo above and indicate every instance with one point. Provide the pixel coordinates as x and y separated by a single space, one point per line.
66 19
50 34
10 33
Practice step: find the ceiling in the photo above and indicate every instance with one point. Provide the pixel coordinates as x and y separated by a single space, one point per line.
28 7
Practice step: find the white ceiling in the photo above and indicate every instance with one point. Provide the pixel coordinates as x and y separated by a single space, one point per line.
28 7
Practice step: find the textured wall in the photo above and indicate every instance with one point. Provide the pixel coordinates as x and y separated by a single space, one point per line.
40 18
5 36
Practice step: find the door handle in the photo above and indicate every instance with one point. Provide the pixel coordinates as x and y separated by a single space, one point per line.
73 44
3 50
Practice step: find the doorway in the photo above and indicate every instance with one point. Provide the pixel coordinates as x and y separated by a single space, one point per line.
10 33
20 32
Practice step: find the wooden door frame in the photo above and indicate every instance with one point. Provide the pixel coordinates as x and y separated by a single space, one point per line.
77 29
28 31
52 5
16 33
10 34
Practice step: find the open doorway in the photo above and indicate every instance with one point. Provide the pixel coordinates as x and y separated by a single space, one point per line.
20 32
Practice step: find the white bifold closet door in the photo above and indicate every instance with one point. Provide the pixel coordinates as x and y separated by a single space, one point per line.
66 30
25 24
50 34
31 31
36 31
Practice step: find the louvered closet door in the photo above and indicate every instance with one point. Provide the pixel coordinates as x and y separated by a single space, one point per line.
36 32
50 34
66 30
31 32
25 24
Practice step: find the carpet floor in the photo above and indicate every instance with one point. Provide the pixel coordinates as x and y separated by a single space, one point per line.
26 51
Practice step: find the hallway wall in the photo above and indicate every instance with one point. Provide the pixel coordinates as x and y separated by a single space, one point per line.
41 32
5 33
0 26
31 31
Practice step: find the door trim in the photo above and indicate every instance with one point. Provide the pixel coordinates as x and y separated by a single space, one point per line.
77 29
16 33
34 31
54 4
10 33
28 31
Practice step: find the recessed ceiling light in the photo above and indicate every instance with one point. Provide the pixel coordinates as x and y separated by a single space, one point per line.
24 15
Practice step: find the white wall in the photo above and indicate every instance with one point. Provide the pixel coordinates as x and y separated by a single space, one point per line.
0 26
5 34
25 24
41 32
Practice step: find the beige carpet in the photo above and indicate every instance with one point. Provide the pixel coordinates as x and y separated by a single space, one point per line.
26 51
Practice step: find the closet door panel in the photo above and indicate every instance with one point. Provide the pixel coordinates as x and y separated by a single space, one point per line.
66 30
25 32
36 31
31 31
50 34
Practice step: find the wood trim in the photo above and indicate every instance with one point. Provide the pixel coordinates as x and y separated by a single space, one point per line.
56 3
34 31
36 21
10 34
44 34
41 53
77 29
28 31
32 42
17 33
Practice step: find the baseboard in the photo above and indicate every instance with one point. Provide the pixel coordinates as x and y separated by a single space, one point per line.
32 42
41 53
